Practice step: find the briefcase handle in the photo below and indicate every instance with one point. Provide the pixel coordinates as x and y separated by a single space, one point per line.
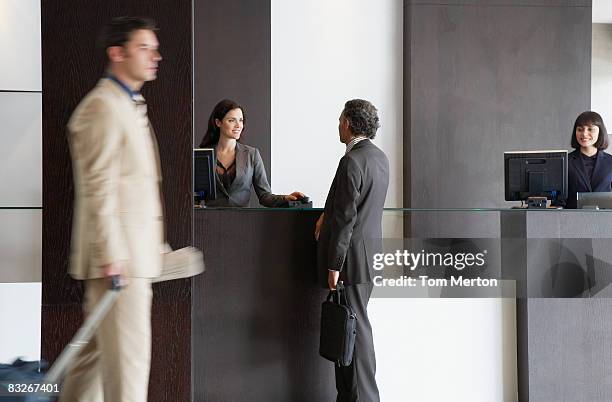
340 294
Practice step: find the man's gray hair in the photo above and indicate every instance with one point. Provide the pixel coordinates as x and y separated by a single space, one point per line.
362 117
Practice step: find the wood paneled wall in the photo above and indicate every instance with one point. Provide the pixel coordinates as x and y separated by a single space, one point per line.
72 64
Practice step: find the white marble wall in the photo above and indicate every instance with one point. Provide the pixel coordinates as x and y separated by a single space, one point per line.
20 179
20 45
601 73
323 54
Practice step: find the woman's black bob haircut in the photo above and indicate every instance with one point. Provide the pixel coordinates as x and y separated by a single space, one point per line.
587 119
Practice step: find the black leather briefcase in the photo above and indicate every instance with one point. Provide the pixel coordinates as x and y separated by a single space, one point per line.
338 328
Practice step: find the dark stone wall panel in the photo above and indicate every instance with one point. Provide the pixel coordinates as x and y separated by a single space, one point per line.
232 60
484 80
483 77
503 3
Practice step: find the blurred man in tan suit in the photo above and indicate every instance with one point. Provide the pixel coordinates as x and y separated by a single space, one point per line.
118 223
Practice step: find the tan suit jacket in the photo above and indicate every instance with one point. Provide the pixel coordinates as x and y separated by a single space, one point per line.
118 210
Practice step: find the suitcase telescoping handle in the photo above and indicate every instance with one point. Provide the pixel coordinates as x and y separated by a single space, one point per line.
115 281
84 334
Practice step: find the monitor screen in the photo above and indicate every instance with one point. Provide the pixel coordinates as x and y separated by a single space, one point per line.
535 174
204 174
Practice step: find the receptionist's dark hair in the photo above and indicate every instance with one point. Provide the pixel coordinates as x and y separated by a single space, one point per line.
591 118
211 138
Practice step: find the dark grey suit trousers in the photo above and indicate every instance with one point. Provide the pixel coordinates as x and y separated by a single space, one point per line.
356 382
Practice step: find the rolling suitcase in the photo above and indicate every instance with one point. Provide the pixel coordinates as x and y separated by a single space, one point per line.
25 381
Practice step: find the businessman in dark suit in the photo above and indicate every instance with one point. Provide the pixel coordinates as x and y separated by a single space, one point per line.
349 233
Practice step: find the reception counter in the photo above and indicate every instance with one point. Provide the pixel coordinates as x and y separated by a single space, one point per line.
247 329
255 311
563 268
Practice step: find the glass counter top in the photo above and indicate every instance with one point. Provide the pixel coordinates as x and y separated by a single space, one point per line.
14 207
416 210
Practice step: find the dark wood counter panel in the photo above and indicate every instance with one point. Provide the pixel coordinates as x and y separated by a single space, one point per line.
256 309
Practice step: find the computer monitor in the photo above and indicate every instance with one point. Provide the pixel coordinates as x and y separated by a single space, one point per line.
535 174
204 188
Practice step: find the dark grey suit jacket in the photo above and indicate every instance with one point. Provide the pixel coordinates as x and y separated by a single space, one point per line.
352 228
250 170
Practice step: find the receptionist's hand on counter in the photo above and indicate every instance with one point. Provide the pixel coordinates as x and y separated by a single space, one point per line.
296 195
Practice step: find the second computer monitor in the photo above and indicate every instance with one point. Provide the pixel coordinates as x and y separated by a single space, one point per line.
535 174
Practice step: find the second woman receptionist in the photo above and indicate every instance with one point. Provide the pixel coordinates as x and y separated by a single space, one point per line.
238 165
589 167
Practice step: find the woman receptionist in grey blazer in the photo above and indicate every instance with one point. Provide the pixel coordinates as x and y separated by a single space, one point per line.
238 166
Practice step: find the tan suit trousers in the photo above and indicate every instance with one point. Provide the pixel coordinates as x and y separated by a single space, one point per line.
115 365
